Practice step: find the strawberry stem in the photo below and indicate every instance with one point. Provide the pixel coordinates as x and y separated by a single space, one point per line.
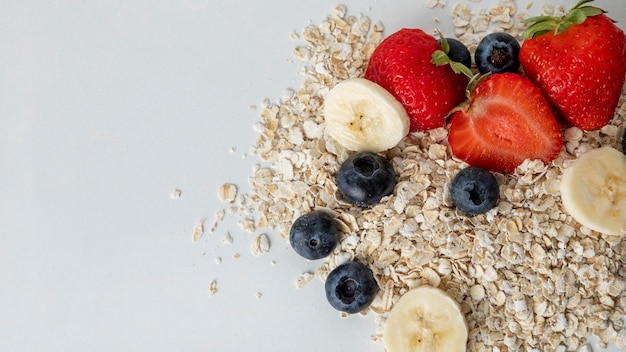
441 58
474 81
445 46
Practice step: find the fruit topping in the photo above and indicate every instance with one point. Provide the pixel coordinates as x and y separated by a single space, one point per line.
506 121
402 65
496 53
362 116
593 191
474 190
579 63
351 287
426 319
314 235
365 178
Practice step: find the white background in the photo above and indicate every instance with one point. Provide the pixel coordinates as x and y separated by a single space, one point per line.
107 107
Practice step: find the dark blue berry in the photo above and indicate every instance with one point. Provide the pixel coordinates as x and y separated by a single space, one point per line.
314 235
496 53
624 142
458 52
351 287
365 178
474 190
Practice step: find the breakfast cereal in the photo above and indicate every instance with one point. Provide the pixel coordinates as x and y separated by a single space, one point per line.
527 275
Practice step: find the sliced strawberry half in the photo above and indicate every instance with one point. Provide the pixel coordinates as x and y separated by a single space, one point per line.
506 121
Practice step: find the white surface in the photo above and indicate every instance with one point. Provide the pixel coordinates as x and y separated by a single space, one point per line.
106 107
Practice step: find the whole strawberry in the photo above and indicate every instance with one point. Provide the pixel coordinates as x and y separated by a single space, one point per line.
579 63
402 65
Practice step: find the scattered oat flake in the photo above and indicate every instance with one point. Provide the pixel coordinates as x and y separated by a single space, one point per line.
198 230
260 245
236 256
247 225
227 193
432 3
212 288
218 260
176 193
228 238
219 216
304 279
259 295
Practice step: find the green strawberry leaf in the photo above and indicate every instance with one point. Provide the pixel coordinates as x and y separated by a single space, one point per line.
474 81
539 28
543 24
581 3
445 46
576 16
537 19
562 27
591 11
440 58
458 67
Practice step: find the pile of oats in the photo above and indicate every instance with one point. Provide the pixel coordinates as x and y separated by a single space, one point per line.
528 277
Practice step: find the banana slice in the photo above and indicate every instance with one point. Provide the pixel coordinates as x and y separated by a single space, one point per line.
426 319
363 116
593 191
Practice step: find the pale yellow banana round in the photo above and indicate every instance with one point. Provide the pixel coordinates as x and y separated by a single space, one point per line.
426 319
593 191
363 116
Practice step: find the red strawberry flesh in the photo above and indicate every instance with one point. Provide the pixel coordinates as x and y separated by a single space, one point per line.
506 122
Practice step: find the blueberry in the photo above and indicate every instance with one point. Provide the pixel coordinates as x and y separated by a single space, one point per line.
365 178
496 53
474 190
314 235
624 143
351 287
458 52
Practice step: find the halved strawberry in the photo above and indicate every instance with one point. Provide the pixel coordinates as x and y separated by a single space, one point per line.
506 121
